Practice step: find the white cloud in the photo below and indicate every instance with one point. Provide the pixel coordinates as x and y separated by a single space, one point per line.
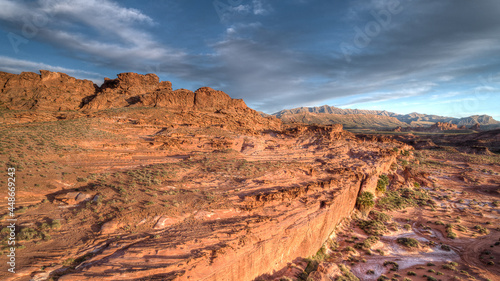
261 8
17 66
99 31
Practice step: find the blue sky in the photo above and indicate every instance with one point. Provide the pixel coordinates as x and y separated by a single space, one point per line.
436 57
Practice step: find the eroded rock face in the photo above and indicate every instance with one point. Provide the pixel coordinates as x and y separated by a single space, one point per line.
44 91
126 89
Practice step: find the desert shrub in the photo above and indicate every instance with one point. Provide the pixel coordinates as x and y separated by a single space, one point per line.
430 278
496 203
382 278
431 270
408 242
445 247
349 249
407 227
405 152
430 264
372 227
27 234
370 272
285 279
403 198
395 265
382 183
411 273
416 185
449 231
449 266
379 216
439 223
367 243
406 279
481 229
347 275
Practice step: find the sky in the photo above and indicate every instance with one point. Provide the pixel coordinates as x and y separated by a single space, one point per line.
434 57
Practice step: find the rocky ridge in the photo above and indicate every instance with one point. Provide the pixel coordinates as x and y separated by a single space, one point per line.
54 91
323 113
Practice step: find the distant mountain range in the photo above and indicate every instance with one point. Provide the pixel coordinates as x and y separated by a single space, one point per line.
358 118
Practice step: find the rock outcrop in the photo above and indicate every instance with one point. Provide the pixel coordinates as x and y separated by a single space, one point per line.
440 126
52 91
44 91
126 90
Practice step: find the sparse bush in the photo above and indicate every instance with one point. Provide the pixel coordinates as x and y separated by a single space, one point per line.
449 231
411 273
395 265
27 234
407 227
368 243
408 242
379 216
445 247
372 227
349 249
449 266
481 229
430 264
382 183
347 275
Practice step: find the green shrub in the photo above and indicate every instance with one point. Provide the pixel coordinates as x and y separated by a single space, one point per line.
347 275
27 234
365 201
407 227
408 242
382 183
395 265
449 266
379 216
481 229
367 243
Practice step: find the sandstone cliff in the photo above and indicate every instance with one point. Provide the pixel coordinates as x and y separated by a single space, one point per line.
44 91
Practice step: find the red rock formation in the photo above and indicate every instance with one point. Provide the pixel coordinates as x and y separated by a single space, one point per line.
440 126
44 91
126 89
58 91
